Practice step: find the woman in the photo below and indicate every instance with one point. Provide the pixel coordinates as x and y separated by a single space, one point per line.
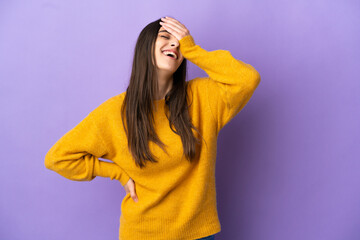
161 135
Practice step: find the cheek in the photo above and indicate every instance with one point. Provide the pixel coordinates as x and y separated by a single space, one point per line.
158 54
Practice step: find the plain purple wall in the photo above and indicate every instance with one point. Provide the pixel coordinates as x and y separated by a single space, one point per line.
287 165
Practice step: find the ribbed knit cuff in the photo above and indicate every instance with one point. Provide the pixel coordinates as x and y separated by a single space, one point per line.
187 41
110 170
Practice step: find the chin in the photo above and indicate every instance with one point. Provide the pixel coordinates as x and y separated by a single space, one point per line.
168 69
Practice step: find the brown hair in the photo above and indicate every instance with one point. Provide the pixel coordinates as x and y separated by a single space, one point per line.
138 103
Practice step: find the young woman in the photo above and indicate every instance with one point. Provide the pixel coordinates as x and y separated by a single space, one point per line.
161 135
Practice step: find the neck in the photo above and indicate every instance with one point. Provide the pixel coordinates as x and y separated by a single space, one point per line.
165 82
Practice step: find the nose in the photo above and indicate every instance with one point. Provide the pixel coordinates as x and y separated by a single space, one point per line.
175 43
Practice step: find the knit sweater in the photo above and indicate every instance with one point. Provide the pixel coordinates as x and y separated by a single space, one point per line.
176 198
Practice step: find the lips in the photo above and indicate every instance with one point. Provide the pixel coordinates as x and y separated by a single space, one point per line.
173 58
172 51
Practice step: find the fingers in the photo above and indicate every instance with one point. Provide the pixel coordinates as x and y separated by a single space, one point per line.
177 27
174 27
126 186
171 30
175 21
132 190
133 194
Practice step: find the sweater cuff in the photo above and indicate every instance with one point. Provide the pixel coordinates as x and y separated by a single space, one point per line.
110 170
187 41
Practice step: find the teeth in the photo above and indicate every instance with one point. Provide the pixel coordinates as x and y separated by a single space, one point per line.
171 53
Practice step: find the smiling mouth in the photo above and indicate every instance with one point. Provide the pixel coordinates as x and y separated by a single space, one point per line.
170 55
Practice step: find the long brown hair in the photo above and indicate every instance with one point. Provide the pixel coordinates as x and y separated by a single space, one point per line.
138 103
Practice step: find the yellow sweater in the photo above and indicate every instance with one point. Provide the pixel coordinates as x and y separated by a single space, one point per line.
177 199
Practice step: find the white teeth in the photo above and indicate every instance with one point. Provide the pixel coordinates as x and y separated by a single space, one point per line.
172 53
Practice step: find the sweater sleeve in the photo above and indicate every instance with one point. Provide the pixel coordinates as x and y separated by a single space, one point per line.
230 84
76 155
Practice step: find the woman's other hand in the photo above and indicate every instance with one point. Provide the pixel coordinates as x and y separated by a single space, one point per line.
130 188
174 27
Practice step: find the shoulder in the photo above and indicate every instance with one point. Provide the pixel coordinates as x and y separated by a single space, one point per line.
198 92
196 83
199 82
200 86
114 100
108 106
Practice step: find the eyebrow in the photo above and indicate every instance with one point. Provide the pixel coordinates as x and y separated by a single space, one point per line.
164 31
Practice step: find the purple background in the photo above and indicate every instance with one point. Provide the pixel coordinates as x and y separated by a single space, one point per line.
287 165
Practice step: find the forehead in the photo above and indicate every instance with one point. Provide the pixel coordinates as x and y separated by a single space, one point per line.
163 30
